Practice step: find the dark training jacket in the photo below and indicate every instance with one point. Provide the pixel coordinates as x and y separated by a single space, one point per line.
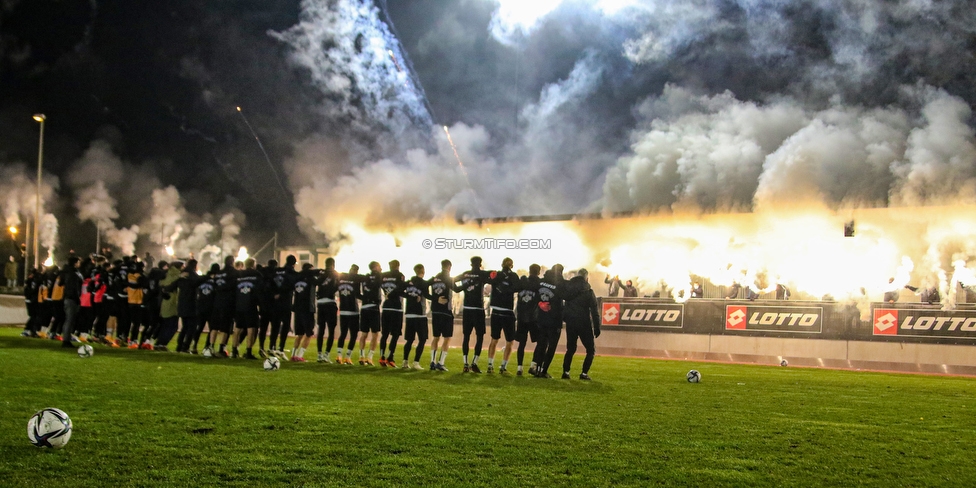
580 308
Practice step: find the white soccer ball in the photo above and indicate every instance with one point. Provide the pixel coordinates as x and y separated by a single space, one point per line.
694 376
49 428
272 364
86 351
784 363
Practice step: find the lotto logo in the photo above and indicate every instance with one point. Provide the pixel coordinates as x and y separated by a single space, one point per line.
735 317
611 313
885 321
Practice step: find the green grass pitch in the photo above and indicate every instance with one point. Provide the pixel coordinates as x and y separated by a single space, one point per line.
145 418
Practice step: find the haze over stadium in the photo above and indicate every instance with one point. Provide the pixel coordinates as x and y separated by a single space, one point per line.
747 133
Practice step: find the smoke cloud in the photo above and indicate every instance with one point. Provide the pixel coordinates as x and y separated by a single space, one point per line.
162 217
357 63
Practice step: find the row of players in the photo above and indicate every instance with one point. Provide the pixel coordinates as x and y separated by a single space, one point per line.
239 303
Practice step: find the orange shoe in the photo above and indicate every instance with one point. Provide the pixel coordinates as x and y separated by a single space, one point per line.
147 346
369 362
391 363
347 361
113 343
383 362
133 345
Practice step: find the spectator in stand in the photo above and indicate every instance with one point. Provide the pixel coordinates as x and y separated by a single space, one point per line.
891 296
782 292
630 291
10 272
928 293
614 289
697 291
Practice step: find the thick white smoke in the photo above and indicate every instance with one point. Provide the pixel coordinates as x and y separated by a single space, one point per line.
18 201
718 153
230 229
347 51
98 172
165 223
108 191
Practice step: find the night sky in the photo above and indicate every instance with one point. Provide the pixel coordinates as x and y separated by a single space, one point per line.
550 118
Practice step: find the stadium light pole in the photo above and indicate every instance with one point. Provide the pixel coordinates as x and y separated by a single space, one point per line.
40 118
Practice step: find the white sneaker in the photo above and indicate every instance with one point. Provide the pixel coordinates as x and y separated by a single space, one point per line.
406 365
325 358
417 366
208 353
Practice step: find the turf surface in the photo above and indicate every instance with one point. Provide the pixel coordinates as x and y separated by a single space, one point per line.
146 418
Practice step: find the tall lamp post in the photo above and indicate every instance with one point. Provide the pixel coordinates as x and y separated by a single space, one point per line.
40 118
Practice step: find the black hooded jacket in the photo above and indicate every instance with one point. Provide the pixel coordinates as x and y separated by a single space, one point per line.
580 309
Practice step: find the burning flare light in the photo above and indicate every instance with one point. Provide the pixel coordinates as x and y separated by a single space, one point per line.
805 250
242 254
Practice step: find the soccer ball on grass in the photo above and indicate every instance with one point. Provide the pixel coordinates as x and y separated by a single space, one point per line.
49 428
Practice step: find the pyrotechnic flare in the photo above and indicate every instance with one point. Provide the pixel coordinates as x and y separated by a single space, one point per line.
242 254
265 153
395 62
456 155
169 251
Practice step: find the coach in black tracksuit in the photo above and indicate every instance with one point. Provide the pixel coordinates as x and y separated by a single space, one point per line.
582 321
473 315
186 305
350 290
72 280
550 320
325 301
392 283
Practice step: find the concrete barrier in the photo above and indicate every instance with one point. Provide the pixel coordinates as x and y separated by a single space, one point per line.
13 311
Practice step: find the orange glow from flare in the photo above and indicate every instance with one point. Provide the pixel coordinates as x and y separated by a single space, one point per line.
804 250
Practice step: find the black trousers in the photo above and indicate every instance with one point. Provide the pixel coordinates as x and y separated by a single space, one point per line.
545 349
265 320
101 318
135 321
187 333
391 329
327 319
86 319
122 322
416 329
31 317
71 309
280 324
584 333
348 324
